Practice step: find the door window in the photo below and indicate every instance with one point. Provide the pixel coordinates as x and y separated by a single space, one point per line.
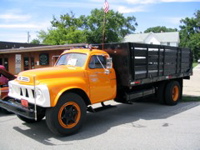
97 61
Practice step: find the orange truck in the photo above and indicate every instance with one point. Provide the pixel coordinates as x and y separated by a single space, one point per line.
82 77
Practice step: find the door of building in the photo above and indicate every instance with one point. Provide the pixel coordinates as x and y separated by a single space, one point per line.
4 62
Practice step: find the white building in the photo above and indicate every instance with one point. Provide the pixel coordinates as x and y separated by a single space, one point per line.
163 38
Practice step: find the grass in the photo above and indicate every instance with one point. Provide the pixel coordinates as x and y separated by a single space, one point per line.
190 99
194 64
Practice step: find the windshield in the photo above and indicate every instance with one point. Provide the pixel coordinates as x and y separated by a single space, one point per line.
72 59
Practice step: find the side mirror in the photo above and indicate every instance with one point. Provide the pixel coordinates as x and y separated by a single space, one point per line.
108 63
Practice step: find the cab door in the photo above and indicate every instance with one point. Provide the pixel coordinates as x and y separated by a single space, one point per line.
102 84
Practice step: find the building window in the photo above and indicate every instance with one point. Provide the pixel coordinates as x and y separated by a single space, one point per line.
44 59
26 63
32 63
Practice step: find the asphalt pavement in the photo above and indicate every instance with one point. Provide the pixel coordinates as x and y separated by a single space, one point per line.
140 126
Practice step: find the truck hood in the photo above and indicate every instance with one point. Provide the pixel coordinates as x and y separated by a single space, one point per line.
27 77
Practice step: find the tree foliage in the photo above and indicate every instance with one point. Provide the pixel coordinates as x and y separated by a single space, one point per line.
116 28
88 29
190 34
67 29
35 41
159 29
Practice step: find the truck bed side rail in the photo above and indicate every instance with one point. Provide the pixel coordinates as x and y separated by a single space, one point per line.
146 63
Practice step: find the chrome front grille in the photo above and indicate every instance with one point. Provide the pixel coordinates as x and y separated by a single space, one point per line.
28 93
21 92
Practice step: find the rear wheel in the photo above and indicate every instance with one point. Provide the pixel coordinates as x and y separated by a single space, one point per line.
67 116
160 93
172 93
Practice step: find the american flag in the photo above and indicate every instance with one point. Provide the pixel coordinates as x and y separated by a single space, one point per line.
106 6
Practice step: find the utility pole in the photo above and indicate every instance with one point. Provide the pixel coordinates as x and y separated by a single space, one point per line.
28 36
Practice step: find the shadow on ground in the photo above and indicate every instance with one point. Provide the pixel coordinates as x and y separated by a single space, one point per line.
4 113
99 123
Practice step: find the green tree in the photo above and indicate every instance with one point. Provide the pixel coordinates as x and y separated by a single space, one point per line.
197 15
65 30
116 27
35 41
190 34
88 29
159 29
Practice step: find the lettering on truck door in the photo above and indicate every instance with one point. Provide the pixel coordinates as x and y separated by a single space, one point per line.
100 83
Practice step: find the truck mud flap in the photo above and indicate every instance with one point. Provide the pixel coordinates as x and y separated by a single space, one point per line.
15 107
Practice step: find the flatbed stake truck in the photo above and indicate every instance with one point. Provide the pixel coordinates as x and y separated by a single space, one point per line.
81 77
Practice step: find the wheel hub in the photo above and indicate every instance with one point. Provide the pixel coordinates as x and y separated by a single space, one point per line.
69 115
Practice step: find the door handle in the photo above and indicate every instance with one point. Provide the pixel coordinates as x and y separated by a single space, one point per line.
107 71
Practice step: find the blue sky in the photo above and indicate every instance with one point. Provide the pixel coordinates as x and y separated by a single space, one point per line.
17 17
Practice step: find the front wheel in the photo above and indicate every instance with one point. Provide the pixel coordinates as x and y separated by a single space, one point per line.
67 116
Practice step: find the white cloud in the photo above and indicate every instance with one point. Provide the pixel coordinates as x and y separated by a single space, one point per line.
23 26
14 37
173 20
69 4
14 17
97 1
157 1
35 26
141 1
18 32
168 1
123 9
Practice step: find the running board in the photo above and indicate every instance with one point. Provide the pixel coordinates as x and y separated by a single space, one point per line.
98 109
139 94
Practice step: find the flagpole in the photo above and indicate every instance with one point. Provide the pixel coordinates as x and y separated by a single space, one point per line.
105 10
104 25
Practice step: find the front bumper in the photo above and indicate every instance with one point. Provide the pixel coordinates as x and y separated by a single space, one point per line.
15 107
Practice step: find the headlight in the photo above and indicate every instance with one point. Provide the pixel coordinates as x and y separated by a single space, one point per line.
42 96
39 95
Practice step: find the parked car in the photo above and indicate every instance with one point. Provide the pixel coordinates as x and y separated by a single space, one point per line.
5 76
198 60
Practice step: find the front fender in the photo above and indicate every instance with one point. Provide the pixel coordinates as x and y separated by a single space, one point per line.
59 86
4 92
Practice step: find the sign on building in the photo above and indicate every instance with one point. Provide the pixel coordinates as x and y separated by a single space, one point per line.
18 59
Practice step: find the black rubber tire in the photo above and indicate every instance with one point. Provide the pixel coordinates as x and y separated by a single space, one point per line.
27 120
68 116
161 92
172 93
